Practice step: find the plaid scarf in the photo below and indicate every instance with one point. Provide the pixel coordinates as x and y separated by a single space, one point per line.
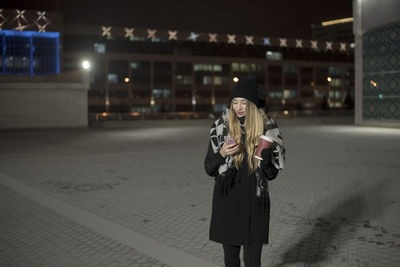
218 134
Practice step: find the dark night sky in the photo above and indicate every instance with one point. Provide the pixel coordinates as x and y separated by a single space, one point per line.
277 18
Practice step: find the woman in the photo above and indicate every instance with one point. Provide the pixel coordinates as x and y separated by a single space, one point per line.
241 205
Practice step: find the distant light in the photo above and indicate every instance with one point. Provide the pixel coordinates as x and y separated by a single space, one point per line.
329 79
194 100
152 102
285 112
126 80
86 64
235 79
352 45
337 21
380 96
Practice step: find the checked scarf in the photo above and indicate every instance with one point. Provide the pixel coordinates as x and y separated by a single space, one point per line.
218 134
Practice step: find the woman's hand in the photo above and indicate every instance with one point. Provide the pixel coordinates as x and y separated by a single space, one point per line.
229 150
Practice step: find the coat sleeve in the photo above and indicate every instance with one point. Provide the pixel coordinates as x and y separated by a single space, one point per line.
213 161
268 168
271 172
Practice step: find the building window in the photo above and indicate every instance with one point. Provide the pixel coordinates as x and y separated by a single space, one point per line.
203 67
289 93
162 93
207 80
273 55
140 109
183 79
99 48
112 78
275 94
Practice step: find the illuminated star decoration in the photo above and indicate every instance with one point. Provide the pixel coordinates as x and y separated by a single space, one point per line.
267 41
249 40
106 31
41 28
328 45
193 36
151 34
231 39
129 33
314 44
2 17
172 35
343 47
20 15
20 27
213 37
299 43
283 42
41 16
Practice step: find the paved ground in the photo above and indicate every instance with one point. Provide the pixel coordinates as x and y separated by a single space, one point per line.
139 196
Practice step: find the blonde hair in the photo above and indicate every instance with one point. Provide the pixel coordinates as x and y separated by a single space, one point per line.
254 126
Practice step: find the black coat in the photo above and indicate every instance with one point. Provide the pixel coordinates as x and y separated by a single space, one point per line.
236 218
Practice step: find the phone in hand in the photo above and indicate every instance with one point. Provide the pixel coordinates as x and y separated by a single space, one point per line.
230 141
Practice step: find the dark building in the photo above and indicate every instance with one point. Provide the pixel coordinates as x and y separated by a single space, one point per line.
159 70
339 30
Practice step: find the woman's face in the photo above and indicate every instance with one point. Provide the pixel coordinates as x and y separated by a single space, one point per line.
239 106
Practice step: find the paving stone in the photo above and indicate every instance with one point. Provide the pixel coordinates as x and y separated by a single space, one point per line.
336 198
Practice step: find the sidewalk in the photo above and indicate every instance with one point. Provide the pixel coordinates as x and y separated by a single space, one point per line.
335 204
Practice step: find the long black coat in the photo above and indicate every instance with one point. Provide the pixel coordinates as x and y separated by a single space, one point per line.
236 218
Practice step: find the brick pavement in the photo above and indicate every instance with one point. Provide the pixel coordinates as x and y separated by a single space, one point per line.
335 204
33 235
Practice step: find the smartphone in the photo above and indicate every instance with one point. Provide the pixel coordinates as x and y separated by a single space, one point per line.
230 141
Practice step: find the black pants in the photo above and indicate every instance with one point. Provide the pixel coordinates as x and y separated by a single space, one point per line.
251 255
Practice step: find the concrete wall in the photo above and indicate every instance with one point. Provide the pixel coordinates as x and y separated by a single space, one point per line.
377 60
47 101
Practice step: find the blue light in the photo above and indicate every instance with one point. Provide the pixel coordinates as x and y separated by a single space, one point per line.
30 33
31 47
380 96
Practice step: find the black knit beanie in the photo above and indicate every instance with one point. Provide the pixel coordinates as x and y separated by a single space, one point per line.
246 87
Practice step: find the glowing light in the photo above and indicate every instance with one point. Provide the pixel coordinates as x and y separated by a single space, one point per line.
249 40
193 36
380 96
231 38
314 44
373 83
328 45
299 43
172 35
152 102
235 79
86 65
212 37
337 21
126 80
329 79
106 31
286 112
282 42
151 34
129 32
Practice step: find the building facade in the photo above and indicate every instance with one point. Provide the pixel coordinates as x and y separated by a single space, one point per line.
154 70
